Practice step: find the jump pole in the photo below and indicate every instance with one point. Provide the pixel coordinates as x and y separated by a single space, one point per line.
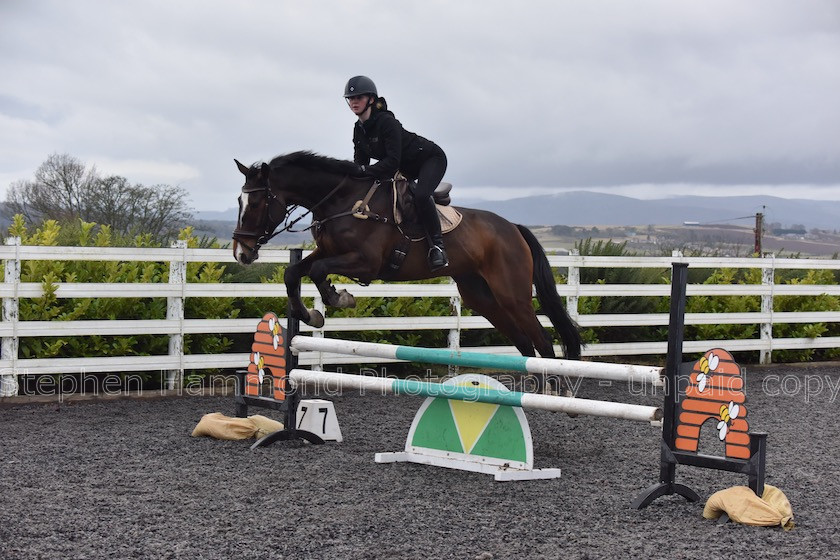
523 364
330 380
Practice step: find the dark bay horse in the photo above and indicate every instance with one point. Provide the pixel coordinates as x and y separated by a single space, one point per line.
493 262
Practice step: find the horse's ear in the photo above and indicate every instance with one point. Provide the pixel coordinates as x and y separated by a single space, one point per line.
242 168
265 170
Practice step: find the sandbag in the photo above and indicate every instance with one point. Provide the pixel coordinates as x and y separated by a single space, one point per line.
743 506
265 425
219 426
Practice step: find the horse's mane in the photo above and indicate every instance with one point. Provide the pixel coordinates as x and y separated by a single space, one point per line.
314 162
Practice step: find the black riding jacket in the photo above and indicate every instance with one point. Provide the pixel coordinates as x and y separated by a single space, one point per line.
383 138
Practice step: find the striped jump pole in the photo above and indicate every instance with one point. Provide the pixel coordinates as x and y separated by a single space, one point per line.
540 366
478 394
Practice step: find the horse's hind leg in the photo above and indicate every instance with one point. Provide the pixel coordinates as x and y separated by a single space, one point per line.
511 288
477 296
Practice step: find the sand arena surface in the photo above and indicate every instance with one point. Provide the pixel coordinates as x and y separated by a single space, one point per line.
124 479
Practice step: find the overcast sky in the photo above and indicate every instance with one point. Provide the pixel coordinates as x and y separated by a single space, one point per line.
646 98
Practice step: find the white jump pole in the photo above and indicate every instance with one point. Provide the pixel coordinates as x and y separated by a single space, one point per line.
335 381
539 366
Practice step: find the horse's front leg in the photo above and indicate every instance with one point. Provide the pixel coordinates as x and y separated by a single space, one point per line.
352 265
334 298
292 277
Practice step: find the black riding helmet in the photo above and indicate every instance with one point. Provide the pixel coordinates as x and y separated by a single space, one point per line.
360 85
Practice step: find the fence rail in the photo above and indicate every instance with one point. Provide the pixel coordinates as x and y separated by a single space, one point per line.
177 290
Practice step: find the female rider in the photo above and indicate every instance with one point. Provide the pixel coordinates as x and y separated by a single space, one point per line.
379 135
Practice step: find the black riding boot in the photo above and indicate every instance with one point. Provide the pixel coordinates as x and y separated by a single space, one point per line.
427 212
437 254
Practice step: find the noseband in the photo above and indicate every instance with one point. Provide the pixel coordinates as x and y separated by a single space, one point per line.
265 232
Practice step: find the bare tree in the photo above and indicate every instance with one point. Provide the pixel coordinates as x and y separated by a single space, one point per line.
65 191
56 193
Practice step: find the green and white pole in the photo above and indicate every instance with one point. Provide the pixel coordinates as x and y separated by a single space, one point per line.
330 381
523 364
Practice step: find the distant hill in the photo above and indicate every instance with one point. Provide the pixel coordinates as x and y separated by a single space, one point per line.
582 208
228 215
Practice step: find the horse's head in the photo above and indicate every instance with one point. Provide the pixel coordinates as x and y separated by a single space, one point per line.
260 212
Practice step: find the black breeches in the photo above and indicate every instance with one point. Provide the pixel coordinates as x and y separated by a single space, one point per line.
430 175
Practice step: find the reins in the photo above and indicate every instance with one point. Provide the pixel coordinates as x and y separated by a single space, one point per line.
288 226
359 210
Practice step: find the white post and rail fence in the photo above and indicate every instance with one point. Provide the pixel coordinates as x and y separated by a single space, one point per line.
177 290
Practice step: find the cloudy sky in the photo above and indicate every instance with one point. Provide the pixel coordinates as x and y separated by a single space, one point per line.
649 98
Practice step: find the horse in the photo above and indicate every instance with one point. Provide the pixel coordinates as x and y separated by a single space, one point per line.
493 261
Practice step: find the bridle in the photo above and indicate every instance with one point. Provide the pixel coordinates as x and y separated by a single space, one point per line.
265 232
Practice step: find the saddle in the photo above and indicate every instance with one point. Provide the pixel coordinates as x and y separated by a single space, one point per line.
405 214
405 218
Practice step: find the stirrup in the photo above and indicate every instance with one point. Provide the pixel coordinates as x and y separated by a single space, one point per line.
437 258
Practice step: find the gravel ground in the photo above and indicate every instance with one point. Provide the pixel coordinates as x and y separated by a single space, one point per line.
124 479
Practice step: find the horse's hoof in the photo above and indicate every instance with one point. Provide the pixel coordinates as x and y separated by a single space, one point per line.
345 299
316 319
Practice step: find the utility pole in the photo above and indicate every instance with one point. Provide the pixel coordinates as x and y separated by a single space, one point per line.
759 227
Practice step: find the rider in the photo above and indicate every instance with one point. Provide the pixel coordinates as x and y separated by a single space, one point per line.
379 135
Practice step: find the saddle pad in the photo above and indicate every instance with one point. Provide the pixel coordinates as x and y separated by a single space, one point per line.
449 218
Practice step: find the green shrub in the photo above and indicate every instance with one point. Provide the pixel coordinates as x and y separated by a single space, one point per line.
50 308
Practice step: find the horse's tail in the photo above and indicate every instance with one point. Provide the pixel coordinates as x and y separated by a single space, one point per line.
552 304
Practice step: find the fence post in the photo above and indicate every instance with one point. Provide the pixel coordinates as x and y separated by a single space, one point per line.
9 350
768 278
175 312
318 305
573 279
454 336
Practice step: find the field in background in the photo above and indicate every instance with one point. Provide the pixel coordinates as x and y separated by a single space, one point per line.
735 241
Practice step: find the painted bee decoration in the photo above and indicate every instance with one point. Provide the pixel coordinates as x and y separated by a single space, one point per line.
707 366
727 415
